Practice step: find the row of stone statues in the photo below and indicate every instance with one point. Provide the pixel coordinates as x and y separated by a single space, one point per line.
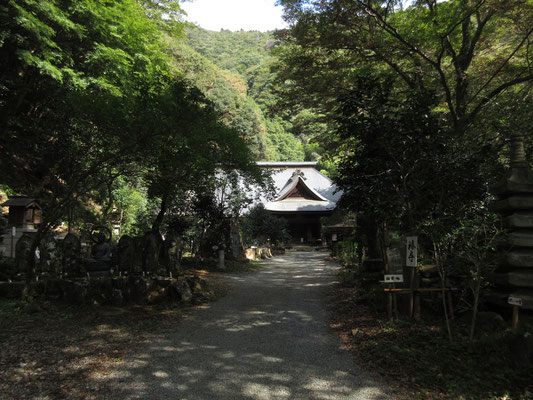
147 254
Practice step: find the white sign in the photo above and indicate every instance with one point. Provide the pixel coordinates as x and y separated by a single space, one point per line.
515 301
411 256
393 278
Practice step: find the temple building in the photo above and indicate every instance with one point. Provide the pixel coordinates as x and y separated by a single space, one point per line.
303 196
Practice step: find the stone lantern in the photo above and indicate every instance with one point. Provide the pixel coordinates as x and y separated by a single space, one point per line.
25 215
24 212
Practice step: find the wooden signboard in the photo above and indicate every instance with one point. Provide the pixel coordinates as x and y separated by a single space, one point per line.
394 278
514 301
396 262
411 258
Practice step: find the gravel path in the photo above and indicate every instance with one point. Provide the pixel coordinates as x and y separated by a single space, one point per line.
267 339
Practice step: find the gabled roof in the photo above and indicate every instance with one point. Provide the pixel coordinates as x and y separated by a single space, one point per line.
293 184
300 187
286 164
20 201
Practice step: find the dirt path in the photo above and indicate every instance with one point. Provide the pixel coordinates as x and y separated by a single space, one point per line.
267 339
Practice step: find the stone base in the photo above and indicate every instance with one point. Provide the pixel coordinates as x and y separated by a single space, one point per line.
112 291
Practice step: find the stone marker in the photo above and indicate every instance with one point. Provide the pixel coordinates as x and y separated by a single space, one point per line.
126 254
150 255
70 255
22 253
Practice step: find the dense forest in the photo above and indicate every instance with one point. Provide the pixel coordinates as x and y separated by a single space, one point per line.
120 113
236 71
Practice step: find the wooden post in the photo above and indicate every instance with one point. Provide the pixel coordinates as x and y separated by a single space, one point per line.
389 305
515 316
411 261
412 295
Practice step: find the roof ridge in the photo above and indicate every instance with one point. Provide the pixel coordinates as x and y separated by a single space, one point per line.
285 192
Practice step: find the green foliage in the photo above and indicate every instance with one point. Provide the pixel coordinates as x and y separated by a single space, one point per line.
227 91
459 50
393 151
234 51
240 83
346 251
282 145
132 206
88 97
259 228
467 252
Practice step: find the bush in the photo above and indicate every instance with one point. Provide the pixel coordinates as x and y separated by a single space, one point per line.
346 252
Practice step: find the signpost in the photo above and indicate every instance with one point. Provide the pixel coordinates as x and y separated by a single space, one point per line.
411 260
394 278
516 302
393 275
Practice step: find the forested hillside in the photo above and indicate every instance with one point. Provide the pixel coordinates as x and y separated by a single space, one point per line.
233 69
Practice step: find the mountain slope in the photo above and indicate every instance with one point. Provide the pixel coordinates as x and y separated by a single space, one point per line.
232 69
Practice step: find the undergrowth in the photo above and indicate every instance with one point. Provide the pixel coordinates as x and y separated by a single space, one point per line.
421 363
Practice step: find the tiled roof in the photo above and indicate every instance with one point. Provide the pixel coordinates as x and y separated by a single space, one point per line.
18 201
287 175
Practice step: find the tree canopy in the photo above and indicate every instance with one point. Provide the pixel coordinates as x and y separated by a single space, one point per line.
470 53
89 94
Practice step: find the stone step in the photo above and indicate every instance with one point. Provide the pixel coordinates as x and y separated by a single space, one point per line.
523 238
521 258
522 279
524 202
518 220
517 181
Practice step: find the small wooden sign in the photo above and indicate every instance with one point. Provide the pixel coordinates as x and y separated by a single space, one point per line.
411 256
395 259
515 301
393 278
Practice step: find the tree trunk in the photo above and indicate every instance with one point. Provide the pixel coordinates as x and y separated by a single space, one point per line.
477 289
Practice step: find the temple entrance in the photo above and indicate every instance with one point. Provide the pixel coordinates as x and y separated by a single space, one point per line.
303 196
303 228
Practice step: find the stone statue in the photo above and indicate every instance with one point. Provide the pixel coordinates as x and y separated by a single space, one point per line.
100 261
172 250
70 257
150 253
100 256
126 254
22 253
101 250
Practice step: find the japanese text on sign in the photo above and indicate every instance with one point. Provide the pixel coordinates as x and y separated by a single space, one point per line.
393 278
515 301
411 259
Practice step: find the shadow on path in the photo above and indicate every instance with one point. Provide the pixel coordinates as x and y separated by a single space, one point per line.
267 339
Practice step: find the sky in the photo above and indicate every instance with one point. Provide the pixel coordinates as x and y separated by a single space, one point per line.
249 15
